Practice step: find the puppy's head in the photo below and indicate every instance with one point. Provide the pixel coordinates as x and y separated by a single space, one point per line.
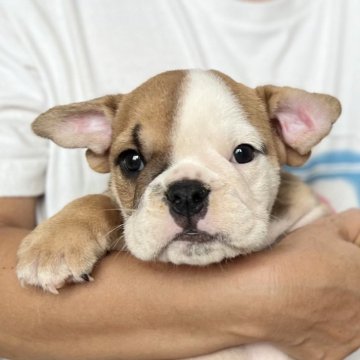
194 158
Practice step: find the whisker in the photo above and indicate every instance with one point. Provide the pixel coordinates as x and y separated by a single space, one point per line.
129 210
124 247
114 229
273 217
117 241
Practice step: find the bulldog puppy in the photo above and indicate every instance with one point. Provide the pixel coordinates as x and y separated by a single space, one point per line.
195 171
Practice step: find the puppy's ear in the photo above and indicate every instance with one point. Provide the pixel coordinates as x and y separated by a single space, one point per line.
302 119
82 125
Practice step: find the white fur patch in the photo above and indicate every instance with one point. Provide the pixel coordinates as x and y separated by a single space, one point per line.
210 116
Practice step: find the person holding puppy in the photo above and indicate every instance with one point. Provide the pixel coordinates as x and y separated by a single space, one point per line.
297 303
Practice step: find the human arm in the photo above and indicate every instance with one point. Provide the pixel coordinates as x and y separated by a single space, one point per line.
130 303
135 310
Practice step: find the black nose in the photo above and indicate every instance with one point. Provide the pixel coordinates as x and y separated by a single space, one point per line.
187 197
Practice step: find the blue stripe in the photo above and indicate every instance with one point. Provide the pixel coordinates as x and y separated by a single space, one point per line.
311 172
331 157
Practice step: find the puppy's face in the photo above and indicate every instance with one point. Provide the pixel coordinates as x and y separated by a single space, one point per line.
194 160
193 172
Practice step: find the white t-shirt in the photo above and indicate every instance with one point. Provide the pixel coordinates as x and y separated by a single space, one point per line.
62 51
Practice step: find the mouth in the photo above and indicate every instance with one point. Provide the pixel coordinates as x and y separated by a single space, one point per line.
194 236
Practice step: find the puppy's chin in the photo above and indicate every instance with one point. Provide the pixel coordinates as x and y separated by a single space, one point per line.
198 249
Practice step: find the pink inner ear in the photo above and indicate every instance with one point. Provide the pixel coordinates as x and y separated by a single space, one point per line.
92 130
294 125
90 123
302 125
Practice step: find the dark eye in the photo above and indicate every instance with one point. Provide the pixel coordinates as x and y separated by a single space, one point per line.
131 162
244 153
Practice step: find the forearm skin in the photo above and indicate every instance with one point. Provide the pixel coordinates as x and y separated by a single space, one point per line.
133 310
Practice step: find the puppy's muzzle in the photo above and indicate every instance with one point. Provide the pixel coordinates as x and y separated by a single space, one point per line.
187 197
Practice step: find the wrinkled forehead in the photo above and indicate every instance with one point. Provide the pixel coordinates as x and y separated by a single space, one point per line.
179 111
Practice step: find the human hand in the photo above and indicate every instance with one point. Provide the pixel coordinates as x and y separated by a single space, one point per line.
307 289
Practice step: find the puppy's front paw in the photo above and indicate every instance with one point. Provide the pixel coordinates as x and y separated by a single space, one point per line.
56 253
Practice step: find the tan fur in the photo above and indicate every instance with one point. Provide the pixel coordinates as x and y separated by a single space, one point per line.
152 106
292 190
87 228
257 113
295 200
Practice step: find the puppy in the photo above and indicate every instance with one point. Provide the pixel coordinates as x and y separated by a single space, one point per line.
195 169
